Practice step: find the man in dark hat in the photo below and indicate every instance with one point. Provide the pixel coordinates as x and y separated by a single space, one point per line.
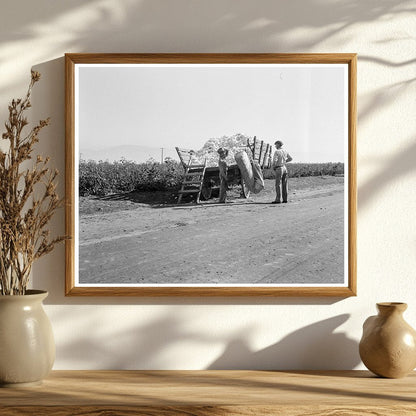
280 158
222 164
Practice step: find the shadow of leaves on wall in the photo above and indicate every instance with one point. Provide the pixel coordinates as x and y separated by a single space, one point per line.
144 346
316 346
397 167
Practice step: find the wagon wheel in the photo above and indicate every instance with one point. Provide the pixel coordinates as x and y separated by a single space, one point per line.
245 192
206 191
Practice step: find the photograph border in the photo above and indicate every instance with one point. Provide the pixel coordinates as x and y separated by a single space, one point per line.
71 289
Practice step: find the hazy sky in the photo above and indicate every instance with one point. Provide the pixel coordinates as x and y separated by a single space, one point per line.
167 106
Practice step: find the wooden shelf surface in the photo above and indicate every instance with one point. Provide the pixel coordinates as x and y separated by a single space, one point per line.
203 393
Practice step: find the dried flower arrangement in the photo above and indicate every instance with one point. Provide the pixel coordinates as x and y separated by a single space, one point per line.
28 200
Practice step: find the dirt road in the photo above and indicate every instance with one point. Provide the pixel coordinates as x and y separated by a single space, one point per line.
243 241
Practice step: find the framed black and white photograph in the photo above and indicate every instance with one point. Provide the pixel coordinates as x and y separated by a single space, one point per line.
211 174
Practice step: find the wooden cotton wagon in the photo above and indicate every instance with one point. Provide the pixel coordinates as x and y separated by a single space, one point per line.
204 181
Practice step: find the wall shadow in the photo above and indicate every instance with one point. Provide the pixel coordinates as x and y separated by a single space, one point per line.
398 166
153 23
316 346
150 26
139 347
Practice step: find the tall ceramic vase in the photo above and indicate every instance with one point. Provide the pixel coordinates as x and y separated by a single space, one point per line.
27 347
388 345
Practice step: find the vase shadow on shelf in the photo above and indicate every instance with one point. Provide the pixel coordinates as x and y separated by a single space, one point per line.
314 347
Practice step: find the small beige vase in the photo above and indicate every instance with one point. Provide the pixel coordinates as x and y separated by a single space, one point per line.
27 347
388 345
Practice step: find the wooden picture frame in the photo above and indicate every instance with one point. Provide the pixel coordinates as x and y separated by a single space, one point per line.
77 122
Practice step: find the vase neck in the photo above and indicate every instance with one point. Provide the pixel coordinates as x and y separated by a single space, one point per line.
390 308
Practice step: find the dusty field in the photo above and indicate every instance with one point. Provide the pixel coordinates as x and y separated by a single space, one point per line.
125 240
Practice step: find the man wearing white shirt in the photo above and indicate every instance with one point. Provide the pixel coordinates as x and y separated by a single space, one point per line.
280 158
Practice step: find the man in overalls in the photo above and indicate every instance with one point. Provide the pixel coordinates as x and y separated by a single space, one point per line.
280 158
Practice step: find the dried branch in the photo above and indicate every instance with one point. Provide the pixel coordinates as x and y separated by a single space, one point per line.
23 218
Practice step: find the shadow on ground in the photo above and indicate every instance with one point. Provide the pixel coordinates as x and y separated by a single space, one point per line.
149 198
154 199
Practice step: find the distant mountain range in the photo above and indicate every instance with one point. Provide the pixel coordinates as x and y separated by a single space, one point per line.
134 153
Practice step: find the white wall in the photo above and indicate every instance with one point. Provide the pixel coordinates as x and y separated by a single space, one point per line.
192 333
